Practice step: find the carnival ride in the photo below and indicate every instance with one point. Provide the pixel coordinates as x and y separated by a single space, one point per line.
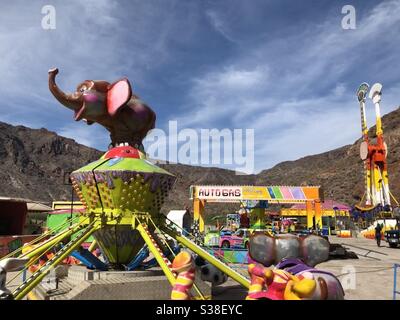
253 199
311 196
374 155
240 239
122 194
122 213
335 216
377 197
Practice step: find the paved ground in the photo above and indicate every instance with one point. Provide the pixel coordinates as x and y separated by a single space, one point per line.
372 273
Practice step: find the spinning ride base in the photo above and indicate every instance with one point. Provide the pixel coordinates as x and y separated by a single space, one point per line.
122 193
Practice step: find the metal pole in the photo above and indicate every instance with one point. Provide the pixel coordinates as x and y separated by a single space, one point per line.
394 282
37 277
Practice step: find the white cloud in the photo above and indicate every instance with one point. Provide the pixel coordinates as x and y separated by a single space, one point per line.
219 25
218 95
27 52
239 79
91 41
339 90
296 91
300 96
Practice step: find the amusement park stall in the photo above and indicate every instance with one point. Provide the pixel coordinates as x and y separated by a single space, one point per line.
62 212
13 217
335 215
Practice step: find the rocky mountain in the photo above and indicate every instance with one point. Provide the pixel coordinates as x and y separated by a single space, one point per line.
35 163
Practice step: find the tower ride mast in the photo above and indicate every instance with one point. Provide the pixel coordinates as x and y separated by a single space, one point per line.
374 155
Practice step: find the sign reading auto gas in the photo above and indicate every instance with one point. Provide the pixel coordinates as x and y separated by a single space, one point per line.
217 192
229 193
272 194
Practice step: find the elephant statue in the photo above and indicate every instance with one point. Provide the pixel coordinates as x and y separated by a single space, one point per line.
8 265
112 105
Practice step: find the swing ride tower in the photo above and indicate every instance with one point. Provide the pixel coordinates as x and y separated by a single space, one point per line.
373 152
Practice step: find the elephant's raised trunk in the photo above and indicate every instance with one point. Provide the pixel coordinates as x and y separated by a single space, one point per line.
68 100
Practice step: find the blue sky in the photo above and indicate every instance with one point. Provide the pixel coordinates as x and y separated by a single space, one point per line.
284 68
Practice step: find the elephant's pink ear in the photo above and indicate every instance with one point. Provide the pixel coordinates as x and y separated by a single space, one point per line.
118 95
